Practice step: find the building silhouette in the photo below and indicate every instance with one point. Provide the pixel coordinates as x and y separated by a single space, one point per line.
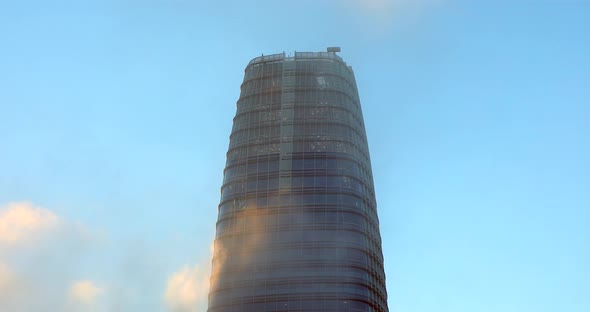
297 227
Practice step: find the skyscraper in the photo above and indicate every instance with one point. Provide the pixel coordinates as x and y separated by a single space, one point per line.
297 227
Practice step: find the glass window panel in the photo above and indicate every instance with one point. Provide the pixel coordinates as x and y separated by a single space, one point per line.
320 181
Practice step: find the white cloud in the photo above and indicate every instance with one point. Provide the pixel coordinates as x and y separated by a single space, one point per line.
84 292
40 254
187 289
50 263
22 221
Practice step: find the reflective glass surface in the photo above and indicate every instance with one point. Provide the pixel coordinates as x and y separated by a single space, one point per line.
297 227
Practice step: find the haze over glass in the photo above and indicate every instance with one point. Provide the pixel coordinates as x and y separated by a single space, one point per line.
298 227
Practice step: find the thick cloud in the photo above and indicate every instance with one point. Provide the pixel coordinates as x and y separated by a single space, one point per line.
20 222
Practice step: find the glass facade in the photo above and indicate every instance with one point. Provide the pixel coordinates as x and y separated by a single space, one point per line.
297 227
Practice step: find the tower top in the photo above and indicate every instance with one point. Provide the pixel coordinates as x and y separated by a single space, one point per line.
281 57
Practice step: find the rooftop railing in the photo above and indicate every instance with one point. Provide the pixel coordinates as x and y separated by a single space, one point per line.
298 55
314 55
267 58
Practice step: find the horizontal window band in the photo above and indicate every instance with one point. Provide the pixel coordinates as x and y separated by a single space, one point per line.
303 90
300 106
321 297
252 81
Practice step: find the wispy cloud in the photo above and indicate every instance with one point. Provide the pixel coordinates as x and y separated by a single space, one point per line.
378 17
39 252
49 263
187 289
11 288
83 296
379 5
7 281
84 292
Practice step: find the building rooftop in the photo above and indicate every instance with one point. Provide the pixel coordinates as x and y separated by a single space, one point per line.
297 55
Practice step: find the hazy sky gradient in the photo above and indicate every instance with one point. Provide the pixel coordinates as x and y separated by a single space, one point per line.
115 118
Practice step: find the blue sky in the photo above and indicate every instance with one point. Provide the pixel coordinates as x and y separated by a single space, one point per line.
115 118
